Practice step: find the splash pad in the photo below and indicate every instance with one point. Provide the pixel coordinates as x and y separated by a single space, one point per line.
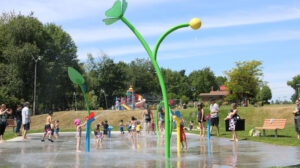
121 151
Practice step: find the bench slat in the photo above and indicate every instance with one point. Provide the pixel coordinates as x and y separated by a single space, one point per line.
276 124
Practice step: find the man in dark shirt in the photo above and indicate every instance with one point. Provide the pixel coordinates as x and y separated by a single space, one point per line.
18 117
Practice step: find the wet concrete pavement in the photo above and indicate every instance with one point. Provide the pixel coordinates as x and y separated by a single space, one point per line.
121 151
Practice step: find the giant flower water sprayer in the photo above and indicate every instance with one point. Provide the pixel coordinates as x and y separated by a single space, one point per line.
77 78
117 13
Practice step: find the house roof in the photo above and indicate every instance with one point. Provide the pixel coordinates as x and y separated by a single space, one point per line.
216 93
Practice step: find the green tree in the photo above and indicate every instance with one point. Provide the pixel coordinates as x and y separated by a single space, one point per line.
295 84
176 83
265 94
220 80
243 81
23 38
202 81
184 99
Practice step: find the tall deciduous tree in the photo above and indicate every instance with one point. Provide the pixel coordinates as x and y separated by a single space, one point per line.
23 38
202 81
295 84
243 80
265 94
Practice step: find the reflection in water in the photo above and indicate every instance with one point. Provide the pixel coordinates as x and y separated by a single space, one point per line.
77 161
148 152
234 154
86 160
209 150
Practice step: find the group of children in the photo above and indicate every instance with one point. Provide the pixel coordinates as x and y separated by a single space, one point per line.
51 126
134 127
98 135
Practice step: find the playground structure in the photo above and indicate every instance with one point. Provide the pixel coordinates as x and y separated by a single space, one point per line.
131 101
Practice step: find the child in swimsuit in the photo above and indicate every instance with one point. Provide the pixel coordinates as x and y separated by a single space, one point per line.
105 128
57 129
98 135
153 127
79 126
121 127
133 126
138 127
129 127
182 135
48 130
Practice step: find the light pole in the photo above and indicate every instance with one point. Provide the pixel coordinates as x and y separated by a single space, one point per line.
34 87
102 91
74 100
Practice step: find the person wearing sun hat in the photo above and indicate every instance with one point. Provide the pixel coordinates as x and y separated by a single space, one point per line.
214 114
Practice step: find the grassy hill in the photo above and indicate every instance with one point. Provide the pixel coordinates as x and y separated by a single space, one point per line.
67 118
254 117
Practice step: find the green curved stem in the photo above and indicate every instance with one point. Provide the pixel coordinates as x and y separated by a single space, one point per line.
156 120
161 38
85 99
161 82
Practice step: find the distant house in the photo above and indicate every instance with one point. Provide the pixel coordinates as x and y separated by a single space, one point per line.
217 95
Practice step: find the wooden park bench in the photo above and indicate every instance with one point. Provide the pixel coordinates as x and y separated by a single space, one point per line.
272 124
11 123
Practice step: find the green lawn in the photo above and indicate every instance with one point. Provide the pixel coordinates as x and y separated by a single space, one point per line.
254 118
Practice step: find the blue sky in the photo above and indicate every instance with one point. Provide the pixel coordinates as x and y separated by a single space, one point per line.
231 31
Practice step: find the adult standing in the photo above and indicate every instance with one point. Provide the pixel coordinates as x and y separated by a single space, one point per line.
214 114
18 117
233 114
25 119
4 112
296 113
200 118
147 116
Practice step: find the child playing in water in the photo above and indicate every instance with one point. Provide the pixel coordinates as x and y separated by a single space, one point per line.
79 126
153 127
52 128
129 127
133 126
99 136
105 128
191 125
138 127
48 129
121 127
182 134
57 128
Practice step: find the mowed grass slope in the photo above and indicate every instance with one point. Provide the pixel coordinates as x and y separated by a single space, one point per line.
254 118
66 118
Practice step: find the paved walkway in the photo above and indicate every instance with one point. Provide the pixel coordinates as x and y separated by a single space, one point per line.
122 151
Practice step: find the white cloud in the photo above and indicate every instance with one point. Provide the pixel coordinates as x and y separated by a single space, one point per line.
277 81
268 15
208 42
64 10
280 91
114 32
